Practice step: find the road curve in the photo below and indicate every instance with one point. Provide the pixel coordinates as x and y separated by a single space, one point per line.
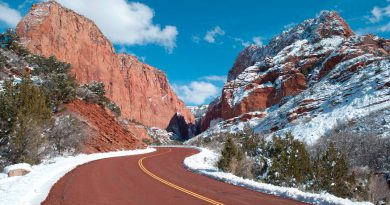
154 178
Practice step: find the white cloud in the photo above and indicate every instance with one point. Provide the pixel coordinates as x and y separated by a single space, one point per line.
242 42
377 14
213 34
8 15
123 22
220 78
374 29
196 92
196 39
258 41
385 28
289 26
26 3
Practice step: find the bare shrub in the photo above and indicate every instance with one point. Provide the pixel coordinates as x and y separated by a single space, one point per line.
244 168
362 150
87 95
66 135
368 154
378 189
28 143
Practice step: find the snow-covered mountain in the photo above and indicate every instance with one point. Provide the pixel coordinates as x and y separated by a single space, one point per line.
198 111
306 80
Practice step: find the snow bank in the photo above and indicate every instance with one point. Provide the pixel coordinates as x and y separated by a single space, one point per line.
33 188
24 166
204 163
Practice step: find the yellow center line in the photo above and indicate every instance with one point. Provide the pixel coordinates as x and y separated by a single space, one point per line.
173 185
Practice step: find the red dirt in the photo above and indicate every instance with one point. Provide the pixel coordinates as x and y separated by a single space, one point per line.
107 134
120 181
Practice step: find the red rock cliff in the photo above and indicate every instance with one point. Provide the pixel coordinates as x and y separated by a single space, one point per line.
292 62
142 92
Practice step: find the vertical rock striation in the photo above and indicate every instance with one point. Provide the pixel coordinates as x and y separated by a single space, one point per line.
142 92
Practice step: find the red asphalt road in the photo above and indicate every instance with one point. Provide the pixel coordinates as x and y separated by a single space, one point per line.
121 181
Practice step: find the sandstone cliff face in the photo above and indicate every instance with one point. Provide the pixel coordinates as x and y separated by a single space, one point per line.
142 92
288 72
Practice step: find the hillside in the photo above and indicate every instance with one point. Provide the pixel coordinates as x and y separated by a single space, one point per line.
98 130
306 81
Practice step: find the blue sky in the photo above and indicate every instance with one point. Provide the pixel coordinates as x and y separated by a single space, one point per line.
196 42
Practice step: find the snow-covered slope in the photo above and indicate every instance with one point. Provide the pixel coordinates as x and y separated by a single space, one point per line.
198 111
306 80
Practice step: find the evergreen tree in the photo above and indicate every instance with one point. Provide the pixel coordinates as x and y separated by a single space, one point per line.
97 87
8 112
49 65
250 142
331 173
59 86
230 152
3 61
291 165
95 92
12 43
31 116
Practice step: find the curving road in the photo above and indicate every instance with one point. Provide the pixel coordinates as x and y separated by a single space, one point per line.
154 178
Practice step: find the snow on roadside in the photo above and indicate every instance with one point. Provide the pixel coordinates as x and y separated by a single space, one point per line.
33 188
204 164
24 166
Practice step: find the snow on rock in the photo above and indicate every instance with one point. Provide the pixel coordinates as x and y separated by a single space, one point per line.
21 166
34 187
205 161
199 112
305 81
161 136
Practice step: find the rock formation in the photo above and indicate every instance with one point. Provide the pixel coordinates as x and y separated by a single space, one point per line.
105 132
142 92
317 67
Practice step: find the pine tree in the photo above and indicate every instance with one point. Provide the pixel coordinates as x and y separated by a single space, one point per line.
59 86
229 153
291 165
31 116
12 43
332 174
250 142
8 112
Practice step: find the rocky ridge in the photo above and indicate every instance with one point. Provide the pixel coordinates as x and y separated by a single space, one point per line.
305 80
142 92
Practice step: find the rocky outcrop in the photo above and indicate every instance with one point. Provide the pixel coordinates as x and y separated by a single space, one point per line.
17 172
142 92
318 51
105 134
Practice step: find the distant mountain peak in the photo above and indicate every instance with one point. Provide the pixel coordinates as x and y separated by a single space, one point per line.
327 24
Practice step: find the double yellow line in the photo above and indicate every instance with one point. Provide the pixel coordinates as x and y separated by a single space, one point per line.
173 185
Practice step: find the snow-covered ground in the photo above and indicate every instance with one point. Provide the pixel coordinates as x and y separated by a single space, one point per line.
204 163
33 188
24 166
